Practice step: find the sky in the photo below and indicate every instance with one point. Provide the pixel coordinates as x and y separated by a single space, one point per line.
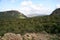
30 7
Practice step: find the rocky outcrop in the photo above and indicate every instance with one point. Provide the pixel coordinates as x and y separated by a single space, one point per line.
27 36
11 36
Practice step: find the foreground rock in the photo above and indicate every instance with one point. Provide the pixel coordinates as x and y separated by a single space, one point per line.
12 36
29 36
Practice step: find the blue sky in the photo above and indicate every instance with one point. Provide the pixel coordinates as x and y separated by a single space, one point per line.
30 7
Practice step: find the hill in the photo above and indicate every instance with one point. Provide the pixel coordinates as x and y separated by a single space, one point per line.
11 14
49 24
56 12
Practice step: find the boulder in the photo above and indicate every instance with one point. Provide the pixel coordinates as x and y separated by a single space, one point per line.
12 36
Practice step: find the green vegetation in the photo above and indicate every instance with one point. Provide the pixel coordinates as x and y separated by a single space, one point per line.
11 14
9 22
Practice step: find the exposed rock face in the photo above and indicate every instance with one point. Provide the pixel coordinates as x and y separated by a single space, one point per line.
27 36
12 36
34 36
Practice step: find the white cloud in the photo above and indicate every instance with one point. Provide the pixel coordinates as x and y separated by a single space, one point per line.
30 9
58 5
26 3
13 1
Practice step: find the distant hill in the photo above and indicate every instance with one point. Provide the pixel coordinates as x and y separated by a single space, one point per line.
11 14
49 24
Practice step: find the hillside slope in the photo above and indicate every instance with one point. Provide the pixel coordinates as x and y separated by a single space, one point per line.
56 12
11 15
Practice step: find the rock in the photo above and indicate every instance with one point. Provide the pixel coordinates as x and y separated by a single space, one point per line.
0 37
27 36
12 36
19 37
34 36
